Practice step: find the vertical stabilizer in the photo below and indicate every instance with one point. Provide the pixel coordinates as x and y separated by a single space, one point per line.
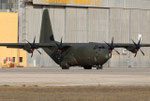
46 34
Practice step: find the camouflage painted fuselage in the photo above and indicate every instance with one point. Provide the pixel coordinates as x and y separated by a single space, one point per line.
81 54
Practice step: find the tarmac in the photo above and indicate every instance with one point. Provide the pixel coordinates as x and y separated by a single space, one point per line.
54 76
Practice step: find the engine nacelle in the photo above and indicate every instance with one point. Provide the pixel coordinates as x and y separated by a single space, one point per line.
28 48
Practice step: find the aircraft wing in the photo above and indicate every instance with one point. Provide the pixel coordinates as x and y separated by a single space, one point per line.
127 45
23 45
132 47
29 47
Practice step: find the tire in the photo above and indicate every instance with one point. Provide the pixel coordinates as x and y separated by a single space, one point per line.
65 68
99 67
87 67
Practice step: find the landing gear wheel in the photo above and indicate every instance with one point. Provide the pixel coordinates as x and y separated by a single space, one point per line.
87 67
99 67
65 67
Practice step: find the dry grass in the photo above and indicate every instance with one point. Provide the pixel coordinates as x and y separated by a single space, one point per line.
83 93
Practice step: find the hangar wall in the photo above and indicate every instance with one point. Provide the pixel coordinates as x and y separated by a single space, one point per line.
78 24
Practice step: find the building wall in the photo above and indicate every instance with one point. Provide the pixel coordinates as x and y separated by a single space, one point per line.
9 34
11 5
136 4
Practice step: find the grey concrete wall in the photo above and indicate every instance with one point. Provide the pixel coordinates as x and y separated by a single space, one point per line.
139 4
119 29
92 25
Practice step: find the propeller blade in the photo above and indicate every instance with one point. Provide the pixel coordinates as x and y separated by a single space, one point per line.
142 52
134 43
108 44
29 43
112 41
139 41
116 51
39 51
32 55
61 43
57 45
34 40
135 54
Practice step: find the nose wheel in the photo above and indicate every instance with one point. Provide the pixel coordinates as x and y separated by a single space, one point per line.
99 67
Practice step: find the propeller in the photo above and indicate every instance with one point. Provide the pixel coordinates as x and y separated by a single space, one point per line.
138 47
60 48
33 47
111 46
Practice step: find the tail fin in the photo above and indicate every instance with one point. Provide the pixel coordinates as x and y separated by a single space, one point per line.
46 34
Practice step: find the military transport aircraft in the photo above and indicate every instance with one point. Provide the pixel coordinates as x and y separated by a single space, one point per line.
86 55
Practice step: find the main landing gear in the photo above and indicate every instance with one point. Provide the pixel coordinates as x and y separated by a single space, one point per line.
65 67
87 67
90 67
99 67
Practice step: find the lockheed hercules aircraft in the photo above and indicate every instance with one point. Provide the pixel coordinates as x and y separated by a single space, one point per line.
86 55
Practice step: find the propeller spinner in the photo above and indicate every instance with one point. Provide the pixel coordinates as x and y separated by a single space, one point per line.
33 47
